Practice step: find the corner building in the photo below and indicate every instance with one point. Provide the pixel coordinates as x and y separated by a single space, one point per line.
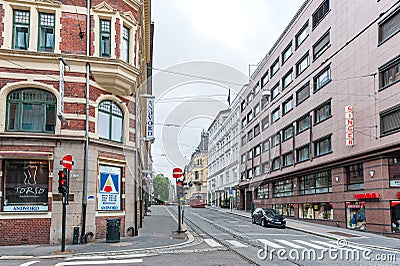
111 61
320 118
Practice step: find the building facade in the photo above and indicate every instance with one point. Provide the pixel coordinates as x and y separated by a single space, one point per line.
223 158
66 92
196 170
321 118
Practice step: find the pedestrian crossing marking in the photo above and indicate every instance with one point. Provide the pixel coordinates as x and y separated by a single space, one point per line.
128 256
99 262
290 244
332 245
309 244
29 263
212 242
269 243
236 243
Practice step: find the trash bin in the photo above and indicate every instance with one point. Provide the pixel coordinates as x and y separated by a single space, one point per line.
113 230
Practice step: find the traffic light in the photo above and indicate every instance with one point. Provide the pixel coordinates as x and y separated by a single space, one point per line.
62 181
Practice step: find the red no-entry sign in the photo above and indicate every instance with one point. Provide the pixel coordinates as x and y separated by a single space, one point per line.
177 173
67 161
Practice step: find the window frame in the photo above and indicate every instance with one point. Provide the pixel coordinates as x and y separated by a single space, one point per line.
299 150
284 132
305 57
358 182
284 56
285 157
318 118
299 33
285 83
322 49
265 123
276 89
105 33
306 116
394 109
302 88
322 6
390 66
284 105
319 141
273 65
114 107
393 14
264 79
126 38
316 77
275 111
41 27
21 25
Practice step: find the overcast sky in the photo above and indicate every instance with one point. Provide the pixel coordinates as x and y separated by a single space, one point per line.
231 33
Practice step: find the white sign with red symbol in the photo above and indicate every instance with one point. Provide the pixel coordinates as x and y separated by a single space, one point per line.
177 173
349 125
67 162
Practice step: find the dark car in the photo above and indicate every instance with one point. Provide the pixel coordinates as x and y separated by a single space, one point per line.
266 217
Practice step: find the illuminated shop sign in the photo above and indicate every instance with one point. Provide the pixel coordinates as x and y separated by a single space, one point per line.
372 195
349 125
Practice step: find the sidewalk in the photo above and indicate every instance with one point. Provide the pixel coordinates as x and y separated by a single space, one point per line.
361 238
157 232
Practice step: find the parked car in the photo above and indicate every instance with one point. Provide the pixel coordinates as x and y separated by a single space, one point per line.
264 217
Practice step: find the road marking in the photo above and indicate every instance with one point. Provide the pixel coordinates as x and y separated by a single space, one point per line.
290 244
212 242
309 244
98 262
353 246
107 257
236 243
29 263
269 243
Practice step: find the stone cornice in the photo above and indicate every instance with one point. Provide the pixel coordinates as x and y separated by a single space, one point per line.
103 7
48 3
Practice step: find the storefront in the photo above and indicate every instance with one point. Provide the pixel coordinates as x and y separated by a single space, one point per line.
285 209
318 211
355 215
395 212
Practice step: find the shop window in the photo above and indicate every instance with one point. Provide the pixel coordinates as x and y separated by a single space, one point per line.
315 183
321 45
320 13
303 124
355 215
355 177
283 188
110 122
319 211
284 209
389 74
394 171
322 79
26 184
109 190
287 53
105 38
302 64
31 110
125 44
301 35
303 93
46 32
303 153
322 146
263 192
389 26
395 211
21 30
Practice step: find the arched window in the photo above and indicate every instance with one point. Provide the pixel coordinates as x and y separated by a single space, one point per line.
110 121
31 110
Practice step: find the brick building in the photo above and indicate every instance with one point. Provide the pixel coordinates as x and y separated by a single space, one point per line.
321 118
40 122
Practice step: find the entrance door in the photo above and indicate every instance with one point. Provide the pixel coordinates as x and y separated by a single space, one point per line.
249 200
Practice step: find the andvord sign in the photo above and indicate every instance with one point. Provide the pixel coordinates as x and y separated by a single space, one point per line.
150 118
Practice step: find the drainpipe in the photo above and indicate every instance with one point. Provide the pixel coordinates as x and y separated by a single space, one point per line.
86 157
135 210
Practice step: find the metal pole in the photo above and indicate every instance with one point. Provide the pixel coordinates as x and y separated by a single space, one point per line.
64 220
135 210
179 216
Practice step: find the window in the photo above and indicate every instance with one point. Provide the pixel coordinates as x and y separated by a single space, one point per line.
257 109
322 146
302 35
125 44
389 74
105 38
257 130
249 116
276 164
303 153
355 176
110 121
390 120
320 13
244 122
323 78
287 133
257 171
265 167
250 135
31 110
243 105
21 29
287 79
316 183
283 188
243 158
303 124
390 26
257 150
264 102
394 171
46 32
285 209
256 88
250 155
288 159
263 192
287 53
249 97
274 67
265 146
265 123
275 115
287 106
264 79
250 174
303 93
275 139
320 211
275 91
303 63
321 45
322 112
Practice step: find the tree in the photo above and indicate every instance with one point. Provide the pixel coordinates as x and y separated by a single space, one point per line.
161 187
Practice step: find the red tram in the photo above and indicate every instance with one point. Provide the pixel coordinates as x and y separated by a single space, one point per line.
198 200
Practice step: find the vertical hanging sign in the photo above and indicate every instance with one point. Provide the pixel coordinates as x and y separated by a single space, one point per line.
61 87
150 118
349 125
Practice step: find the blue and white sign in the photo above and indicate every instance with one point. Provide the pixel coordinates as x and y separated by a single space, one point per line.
230 192
109 196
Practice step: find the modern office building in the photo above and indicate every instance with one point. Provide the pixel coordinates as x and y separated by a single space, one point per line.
321 118
223 158
66 92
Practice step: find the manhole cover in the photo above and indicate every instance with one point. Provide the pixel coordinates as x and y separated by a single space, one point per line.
343 234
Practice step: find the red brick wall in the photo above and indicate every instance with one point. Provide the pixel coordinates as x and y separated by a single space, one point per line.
117 38
24 231
101 226
71 43
1 24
